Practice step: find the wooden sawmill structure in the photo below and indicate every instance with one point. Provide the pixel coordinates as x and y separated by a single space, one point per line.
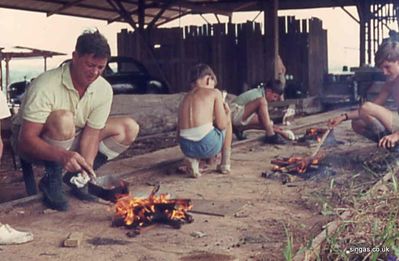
144 16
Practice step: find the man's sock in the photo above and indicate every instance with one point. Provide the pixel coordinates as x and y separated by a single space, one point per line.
110 148
193 167
224 166
226 157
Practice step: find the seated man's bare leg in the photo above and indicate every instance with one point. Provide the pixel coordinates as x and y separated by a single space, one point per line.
374 121
370 112
260 108
118 134
260 119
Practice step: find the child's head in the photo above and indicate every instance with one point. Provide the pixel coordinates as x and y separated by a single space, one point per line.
388 51
387 58
202 72
274 90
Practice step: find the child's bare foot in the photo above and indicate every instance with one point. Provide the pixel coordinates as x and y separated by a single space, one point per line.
193 167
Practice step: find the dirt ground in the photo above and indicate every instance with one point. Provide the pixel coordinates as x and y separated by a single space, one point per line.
257 211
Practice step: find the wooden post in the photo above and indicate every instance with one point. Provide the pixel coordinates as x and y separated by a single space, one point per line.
7 60
270 9
362 34
45 63
141 14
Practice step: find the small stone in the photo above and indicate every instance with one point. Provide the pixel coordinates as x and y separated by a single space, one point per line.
198 234
49 211
74 239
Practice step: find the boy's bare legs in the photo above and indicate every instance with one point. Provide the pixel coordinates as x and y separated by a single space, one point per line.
369 112
224 166
374 121
262 119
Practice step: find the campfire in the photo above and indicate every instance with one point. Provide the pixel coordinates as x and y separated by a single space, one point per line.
137 213
294 164
313 134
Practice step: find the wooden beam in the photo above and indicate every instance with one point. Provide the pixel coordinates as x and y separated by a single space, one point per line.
156 18
65 6
206 21
118 7
351 15
362 34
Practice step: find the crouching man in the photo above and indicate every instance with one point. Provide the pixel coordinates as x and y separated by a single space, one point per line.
63 121
204 126
250 110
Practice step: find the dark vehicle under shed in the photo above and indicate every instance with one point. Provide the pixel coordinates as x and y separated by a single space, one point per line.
125 74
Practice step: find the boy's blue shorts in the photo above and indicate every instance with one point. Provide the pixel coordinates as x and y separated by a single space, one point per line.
206 148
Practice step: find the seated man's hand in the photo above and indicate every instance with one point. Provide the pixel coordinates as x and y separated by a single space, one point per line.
389 141
335 121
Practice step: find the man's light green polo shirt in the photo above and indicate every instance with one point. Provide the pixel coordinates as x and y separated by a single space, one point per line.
249 96
54 90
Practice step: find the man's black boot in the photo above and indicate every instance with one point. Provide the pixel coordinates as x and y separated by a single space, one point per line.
100 160
239 134
275 139
51 186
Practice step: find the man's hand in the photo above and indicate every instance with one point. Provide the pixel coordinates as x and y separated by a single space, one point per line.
74 162
332 123
389 141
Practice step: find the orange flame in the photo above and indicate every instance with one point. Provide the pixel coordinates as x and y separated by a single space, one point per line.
139 212
315 133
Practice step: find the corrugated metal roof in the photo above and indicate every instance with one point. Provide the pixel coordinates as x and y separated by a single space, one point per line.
162 10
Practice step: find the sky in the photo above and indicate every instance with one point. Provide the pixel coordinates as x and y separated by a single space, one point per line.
58 33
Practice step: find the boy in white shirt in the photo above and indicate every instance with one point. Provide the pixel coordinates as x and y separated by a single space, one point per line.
8 235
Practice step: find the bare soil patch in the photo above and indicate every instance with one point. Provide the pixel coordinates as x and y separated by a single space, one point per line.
255 230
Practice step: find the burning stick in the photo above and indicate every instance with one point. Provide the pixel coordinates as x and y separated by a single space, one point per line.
294 164
313 134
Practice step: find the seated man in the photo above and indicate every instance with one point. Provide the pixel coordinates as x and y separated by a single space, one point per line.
372 120
204 127
63 121
249 110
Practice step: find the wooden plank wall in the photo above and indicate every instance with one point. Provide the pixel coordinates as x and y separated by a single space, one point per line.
303 48
234 51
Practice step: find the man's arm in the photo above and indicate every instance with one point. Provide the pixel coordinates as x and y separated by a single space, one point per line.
1 143
384 94
380 100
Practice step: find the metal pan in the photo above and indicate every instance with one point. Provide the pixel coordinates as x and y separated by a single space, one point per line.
108 187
